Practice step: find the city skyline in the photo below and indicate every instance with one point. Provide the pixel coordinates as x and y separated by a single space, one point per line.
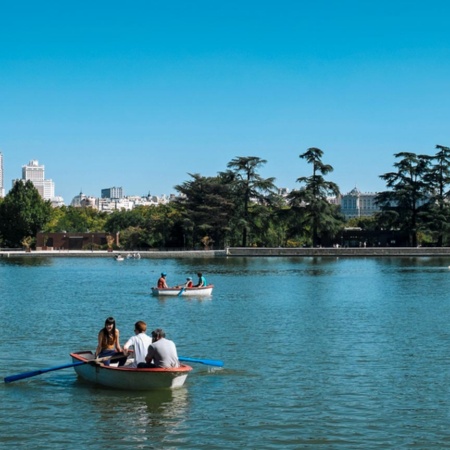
34 171
140 96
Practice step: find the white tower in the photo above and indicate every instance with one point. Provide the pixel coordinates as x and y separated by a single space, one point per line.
35 173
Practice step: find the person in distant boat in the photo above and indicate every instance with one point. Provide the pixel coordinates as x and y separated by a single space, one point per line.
201 280
140 342
188 284
161 353
162 281
109 342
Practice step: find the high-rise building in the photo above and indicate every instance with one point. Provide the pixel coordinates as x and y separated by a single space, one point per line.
113 193
36 174
2 188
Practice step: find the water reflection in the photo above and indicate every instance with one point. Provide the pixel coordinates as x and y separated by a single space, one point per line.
26 261
138 417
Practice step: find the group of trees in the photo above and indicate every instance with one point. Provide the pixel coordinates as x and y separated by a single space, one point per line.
417 199
239 207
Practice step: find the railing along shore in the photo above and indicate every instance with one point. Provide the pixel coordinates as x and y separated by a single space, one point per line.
241 252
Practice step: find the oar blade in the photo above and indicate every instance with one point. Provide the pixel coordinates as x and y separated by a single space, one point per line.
181 292
21 376
33 373
208 362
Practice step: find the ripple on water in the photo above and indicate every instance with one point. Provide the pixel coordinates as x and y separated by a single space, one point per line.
319 353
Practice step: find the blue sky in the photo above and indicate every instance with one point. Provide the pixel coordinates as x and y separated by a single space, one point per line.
141 94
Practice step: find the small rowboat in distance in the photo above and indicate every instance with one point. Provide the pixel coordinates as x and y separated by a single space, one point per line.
126 377
185 292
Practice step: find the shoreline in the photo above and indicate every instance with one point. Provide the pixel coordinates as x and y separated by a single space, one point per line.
242 252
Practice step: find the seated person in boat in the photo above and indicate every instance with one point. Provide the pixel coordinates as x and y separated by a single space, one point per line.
201 280
109 342
140 342
186 285
161 353
162 281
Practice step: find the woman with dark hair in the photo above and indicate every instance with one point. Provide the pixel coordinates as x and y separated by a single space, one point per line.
108 342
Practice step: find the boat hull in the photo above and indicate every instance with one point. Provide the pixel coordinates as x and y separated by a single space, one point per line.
184 292
128 378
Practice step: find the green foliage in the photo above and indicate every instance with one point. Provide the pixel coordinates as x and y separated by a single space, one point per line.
365 223
207 210
22 214
239 207
121 220
78 220
435 217
133 238
408 194
28 241
248 187
146 227
314 210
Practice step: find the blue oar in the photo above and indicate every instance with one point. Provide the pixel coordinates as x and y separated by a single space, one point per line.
208 362
33 373
181 292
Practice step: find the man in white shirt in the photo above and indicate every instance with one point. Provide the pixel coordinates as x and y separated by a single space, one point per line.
140 343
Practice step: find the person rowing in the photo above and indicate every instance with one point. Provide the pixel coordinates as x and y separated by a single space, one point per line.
186 285
162 284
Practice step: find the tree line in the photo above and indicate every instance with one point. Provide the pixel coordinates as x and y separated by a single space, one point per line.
238 207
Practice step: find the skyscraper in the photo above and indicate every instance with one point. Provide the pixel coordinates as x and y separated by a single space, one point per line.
35 173
113 192
2 188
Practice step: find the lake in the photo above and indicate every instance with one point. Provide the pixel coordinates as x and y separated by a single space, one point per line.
320 353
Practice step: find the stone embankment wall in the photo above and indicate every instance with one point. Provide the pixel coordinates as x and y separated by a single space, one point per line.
371 251
243 251
105 254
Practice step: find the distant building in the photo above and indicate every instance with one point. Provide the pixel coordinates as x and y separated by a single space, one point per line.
35 173
2 186
110 205
118 204
113 193
83 201
57 201
358 204
75 241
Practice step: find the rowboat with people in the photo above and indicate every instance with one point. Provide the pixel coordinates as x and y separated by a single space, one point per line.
124 377
184 291
127 377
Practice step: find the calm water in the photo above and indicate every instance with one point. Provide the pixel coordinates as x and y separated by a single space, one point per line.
319 353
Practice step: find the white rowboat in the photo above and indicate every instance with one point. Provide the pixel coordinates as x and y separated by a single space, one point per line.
126 377
184 292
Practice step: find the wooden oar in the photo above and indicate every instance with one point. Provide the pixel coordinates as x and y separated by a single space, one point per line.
208 362
33 373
